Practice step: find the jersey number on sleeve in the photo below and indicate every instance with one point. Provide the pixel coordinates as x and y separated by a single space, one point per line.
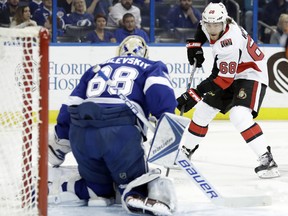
123 75
254 50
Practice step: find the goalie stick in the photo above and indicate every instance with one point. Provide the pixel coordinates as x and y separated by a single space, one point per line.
188 167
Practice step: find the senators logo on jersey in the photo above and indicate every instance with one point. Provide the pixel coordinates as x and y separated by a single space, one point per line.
242 94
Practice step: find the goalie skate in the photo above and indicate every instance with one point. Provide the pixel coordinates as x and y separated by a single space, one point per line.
268 167
138 204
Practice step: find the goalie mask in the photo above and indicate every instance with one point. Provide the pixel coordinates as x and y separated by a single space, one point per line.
133 45
214 18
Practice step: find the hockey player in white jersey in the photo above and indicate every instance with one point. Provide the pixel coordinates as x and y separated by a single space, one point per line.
106 137
237 84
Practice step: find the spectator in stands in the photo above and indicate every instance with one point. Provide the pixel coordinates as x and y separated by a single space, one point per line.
271 14
281 33
119 9
100 34
8 11
34 5
22 18
248 14
41 14
48 25
273 10
183 15
66 5
95 7
79 17
286 48
141 3
129 28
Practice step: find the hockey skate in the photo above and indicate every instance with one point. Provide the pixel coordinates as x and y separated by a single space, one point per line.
268 167
189 152
138 204
57 150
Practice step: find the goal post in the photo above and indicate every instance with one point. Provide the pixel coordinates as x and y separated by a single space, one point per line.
24 121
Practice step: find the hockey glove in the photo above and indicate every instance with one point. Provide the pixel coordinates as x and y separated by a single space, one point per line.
58 148
189 99
194 52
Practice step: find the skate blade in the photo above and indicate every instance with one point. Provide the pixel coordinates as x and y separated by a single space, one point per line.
271 173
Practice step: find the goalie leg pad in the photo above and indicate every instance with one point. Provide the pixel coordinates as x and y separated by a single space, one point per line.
138 204
162 200
65 199
162 189
99 201
66 195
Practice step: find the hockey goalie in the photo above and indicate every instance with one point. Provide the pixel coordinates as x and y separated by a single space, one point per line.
106 137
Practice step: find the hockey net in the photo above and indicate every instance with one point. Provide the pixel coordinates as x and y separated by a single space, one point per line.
23 121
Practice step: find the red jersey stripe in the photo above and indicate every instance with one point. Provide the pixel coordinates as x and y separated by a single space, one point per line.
223 82
245 65
254 95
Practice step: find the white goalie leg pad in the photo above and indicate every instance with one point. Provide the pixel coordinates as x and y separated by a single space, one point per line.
97 201
163 189
58 148
64 198
136 204
69 198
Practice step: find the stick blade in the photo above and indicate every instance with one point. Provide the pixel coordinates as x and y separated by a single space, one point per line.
245 201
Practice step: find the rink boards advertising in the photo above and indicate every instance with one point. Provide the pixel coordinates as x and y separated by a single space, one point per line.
68 63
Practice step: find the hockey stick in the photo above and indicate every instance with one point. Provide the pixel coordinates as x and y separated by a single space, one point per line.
183 107
189 84
188 167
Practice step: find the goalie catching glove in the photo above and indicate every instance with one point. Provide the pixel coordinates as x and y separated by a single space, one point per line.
57 149
189 99
194 52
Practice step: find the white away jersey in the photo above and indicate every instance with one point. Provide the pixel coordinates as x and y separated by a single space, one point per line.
237 56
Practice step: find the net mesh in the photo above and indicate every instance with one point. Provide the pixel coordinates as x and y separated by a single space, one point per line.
19 121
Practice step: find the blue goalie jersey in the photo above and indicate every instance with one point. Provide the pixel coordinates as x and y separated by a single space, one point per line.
145 82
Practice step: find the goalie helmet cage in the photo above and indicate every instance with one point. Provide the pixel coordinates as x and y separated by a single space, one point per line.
24 121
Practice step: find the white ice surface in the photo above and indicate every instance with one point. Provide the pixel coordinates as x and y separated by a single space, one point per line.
228 163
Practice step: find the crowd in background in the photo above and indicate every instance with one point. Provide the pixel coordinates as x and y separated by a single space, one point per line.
112 20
